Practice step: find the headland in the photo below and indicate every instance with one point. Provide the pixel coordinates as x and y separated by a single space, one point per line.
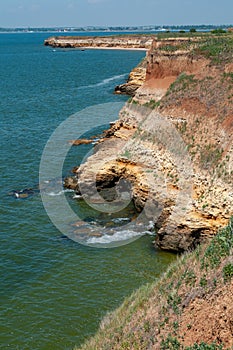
134 42
173 143
186 92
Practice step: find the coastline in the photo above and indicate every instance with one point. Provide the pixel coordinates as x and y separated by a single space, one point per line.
106 42
113 48
198 217
190 306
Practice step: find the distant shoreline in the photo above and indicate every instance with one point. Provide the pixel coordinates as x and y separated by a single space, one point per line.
111 42
110 29
108 48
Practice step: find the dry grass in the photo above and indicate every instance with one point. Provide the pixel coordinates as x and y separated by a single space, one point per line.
155 316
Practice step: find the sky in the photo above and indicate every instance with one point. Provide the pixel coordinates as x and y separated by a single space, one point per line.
79 13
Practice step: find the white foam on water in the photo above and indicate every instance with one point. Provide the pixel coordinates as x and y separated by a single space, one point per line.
118 236
117 220
104 81
77 196
53 194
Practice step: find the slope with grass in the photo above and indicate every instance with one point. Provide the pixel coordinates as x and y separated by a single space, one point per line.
189 307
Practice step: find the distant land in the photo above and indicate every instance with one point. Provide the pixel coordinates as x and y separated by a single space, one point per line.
203 27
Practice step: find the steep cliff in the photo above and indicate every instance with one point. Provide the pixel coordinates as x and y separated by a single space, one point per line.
173 141
200 105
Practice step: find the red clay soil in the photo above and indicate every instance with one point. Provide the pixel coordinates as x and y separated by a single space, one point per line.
160 83
210 319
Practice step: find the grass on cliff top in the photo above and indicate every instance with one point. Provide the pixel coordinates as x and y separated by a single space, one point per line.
216 47
192 34
150 317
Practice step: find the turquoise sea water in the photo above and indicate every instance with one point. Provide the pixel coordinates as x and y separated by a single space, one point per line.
54 291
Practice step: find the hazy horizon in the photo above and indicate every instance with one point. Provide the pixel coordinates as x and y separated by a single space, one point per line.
105 13
126 26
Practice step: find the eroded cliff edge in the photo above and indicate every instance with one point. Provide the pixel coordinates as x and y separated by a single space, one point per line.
115 42
173 141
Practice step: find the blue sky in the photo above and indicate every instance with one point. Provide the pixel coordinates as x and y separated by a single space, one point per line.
37 13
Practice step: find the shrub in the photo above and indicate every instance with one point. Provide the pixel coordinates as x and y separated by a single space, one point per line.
228 272
218 31
204 346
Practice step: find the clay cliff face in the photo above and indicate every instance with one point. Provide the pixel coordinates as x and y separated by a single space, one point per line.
173 143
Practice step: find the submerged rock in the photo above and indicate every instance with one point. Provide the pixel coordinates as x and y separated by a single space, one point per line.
80 142
25 193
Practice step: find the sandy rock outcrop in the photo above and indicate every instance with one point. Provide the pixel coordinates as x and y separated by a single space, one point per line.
114 42
135 80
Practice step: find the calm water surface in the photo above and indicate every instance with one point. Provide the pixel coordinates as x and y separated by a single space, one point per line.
53 291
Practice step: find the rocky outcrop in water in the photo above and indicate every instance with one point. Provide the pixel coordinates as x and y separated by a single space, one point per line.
135 80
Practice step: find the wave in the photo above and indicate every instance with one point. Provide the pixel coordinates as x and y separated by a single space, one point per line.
77 196
52 194
118 236
120 220
104 82
108 236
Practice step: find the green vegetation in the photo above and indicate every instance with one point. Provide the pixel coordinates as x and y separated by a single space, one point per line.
134 102
210 155
172 343
204 346
152 314
192 32
127 154
218 31
208 95
183 34
228 272
219 248
228 76
152 104
218 49
216 46
182 83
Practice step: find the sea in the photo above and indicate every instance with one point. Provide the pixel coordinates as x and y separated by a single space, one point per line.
54 290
